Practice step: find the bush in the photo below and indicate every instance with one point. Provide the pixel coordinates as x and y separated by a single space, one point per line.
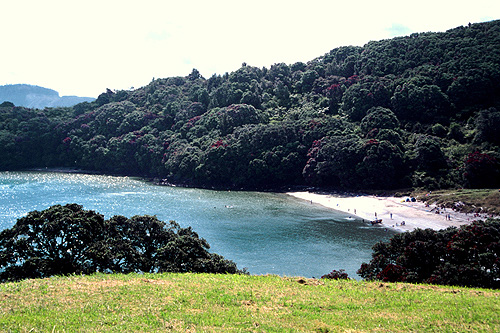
67 239
466 256
336 275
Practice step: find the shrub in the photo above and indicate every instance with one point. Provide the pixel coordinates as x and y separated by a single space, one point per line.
336 275
466 256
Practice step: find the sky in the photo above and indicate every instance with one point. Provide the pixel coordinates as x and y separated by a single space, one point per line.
84 47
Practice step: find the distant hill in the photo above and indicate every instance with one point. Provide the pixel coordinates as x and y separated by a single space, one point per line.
37 97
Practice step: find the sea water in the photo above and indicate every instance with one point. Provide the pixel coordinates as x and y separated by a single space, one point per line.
267 233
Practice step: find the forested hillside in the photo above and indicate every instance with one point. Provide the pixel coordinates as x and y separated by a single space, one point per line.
415 111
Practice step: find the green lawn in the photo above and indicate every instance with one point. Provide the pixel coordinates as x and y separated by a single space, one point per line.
228 303
485 201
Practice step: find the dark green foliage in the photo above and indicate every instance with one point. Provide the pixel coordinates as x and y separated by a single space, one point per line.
420 103
7 104
481 171
350 162
336 275
332 161
59 240
70 240
379 118
396 108
356 101
487 126
465 256
429 156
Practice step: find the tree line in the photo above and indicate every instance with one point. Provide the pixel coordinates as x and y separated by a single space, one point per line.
414 111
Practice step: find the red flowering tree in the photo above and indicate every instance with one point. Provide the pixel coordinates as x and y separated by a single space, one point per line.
465 256
481 171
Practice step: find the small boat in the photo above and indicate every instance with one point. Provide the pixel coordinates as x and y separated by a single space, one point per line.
378 221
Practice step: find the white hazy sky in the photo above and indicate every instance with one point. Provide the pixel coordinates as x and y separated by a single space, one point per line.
83 47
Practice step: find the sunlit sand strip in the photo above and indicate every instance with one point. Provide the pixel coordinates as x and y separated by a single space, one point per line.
392 210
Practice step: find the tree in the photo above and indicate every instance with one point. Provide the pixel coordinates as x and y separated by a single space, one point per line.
7 104
379 118
381 166
59 240
456 132
195 75
472 257
356 101
465 256
425 103
481 171
475 87
333 160
67 239
487 125
336 275
429 156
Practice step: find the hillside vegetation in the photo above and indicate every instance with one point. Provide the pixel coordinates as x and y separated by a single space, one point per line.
228 303
414 111
486 201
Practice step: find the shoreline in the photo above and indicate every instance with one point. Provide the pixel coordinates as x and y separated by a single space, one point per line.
392 210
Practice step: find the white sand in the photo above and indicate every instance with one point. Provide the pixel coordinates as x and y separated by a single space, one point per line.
414 214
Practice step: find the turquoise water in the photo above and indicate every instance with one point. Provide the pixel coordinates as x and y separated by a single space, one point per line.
267 233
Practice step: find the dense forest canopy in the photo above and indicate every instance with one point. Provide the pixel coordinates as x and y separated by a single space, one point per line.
415 111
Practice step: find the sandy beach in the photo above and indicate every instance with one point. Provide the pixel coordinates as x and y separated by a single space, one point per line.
392 210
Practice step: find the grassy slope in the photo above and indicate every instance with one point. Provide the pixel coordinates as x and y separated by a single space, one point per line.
466 200
221 303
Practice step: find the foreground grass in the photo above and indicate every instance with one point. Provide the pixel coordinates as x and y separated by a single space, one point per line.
227 303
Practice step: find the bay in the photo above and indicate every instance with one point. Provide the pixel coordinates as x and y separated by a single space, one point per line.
267 233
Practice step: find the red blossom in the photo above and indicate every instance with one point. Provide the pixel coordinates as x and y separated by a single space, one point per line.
218 144
333 87
192 121
477 157
313 151
314 123
352 80
150 115
372 142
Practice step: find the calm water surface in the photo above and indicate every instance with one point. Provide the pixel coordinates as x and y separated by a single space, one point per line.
264 232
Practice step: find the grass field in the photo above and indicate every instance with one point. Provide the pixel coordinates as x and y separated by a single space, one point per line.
239 303
467 200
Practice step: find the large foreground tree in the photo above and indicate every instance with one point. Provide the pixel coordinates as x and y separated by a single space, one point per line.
70 240
465 256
